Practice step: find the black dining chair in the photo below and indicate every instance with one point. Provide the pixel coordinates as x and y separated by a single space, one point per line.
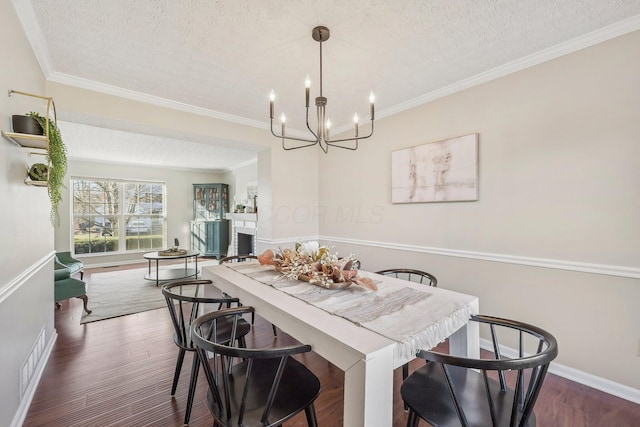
264 387
411 275
185 301
237 258
242 258
491 391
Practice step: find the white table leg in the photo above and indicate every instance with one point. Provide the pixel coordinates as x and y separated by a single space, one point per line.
368 392
466 340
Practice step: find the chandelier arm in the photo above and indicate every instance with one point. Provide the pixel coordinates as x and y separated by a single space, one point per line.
324 147
299 146
309 127
354 148
312 141
332 142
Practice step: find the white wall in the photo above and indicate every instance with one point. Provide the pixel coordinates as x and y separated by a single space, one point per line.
559 170
26 276
179 202
239 179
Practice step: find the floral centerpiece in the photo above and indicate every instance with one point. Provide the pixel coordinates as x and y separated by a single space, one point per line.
316 264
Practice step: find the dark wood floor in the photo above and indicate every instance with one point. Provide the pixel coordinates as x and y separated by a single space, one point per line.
118 372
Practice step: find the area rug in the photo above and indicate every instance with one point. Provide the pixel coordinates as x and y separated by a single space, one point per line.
121 292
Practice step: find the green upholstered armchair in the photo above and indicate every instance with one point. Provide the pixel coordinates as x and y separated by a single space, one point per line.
74 265
66 287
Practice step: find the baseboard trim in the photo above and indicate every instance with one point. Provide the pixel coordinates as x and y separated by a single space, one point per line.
620 390
25 403
113 263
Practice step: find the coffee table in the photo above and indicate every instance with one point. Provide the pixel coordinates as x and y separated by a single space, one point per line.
170 274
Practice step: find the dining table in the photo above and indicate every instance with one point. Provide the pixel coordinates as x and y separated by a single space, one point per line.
365 333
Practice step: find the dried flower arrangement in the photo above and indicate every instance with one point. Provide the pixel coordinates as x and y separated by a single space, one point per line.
316 264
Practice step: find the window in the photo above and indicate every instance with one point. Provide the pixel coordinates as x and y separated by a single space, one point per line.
117 216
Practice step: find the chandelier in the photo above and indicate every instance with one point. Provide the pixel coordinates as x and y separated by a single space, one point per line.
321 136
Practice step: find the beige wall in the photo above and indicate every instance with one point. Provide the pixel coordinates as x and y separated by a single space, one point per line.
26 275
559 170
293 174
558 175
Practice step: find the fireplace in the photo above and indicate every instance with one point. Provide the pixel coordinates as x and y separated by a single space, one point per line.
245 243
245 233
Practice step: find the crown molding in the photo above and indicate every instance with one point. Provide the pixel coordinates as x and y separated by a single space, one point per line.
595 37
27 18
149 99
94 86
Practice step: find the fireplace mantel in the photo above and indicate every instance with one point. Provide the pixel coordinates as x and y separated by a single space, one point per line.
252 217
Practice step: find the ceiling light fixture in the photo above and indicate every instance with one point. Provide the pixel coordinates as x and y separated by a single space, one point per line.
321 136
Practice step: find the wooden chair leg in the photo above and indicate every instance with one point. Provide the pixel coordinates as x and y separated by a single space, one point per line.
310 411
85 301
176 375
405 374
253 319
192 387
413 419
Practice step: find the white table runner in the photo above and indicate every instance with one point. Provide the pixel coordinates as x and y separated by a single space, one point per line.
414 315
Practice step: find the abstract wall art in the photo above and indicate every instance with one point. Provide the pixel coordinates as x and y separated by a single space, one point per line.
442 171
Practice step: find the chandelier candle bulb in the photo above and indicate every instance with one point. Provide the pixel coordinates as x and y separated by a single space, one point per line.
307 86
371 100
355 122
328 128
283 119
272 97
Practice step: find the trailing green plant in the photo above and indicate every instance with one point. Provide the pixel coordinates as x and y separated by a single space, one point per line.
57 157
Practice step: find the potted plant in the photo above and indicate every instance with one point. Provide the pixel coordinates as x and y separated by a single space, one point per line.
57 157
239 208
38 172
26 124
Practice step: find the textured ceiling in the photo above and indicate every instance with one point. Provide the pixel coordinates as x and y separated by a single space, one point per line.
224 56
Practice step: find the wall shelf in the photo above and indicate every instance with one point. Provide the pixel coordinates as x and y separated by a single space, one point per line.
36 183
31 141
26 140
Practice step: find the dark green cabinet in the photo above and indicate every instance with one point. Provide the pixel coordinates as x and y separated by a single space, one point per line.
209 228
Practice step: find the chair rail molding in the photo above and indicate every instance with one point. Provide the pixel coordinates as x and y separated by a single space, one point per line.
12 286
609 270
